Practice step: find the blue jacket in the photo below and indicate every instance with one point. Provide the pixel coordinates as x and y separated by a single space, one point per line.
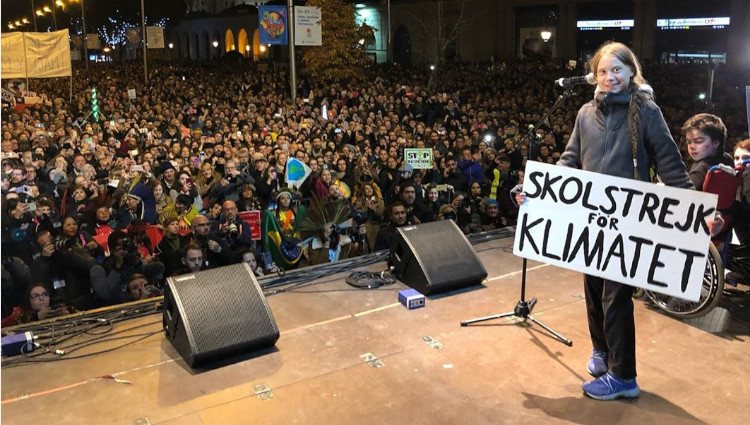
473 170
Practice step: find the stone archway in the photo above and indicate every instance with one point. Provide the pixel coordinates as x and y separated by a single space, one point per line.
256 45
229 44
242 45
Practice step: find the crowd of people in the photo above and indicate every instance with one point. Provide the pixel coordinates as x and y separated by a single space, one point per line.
191 171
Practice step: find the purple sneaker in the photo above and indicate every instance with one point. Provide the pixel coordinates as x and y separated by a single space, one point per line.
597 365
610 387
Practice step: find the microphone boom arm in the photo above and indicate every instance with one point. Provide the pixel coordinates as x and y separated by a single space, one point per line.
531 134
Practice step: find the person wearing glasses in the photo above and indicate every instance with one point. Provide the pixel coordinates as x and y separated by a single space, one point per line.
36 306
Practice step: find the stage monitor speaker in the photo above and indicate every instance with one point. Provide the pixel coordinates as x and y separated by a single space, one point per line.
435 257
216 314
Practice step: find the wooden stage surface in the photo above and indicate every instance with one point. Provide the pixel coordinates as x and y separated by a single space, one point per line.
432 370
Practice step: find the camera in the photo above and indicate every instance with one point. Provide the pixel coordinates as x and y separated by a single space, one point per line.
359 217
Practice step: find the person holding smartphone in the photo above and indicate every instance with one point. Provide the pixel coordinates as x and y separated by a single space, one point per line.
36 306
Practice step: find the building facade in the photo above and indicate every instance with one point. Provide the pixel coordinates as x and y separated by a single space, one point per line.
429 31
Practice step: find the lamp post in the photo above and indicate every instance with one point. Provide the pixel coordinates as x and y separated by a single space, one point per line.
33 15
143 40
85 37
389 46
216 46
292 59
47 9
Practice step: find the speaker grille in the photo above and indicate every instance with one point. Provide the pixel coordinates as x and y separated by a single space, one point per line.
435 257
227 308
443 252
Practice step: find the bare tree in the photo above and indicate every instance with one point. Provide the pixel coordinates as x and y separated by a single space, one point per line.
443 24
191 5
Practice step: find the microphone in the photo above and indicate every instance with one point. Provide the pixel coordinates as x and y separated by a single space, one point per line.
576 81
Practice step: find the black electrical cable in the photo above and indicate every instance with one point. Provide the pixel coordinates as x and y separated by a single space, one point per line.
370 280
22 361
54 333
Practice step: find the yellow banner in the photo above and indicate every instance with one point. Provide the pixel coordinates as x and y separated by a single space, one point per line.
13 59
36 55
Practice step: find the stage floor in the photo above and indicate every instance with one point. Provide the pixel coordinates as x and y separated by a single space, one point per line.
432 370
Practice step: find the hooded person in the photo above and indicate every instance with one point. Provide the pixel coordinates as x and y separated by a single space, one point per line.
139 203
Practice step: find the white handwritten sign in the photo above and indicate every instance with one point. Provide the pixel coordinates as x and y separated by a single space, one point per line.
642 234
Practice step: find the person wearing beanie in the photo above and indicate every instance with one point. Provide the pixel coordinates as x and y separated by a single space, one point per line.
169 178
139 203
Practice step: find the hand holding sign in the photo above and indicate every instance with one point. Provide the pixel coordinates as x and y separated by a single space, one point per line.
638 233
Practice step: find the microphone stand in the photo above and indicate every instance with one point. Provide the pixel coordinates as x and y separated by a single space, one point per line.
524 308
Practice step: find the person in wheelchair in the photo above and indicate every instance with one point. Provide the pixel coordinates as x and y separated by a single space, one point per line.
715 171
704 135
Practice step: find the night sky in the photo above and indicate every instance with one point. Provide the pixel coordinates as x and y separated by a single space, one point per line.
97 11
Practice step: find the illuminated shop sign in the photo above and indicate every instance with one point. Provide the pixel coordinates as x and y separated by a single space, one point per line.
687 23
623 24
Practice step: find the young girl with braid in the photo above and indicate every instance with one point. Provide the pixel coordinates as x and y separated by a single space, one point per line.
620 132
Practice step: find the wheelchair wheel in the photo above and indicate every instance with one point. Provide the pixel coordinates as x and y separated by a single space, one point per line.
713 286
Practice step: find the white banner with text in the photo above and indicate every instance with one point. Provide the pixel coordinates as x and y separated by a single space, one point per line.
642 234
36 54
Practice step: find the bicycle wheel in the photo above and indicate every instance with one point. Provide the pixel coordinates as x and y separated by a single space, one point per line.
713 286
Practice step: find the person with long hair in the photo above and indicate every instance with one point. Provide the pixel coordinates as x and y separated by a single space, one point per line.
36 306
620 132
368 202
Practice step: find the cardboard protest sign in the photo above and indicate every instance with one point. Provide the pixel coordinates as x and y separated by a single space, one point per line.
418 158
641 234
252 219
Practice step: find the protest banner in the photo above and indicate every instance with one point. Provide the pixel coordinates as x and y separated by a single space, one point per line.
642 234
36 54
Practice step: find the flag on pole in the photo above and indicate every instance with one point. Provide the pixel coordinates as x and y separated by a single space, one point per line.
286 250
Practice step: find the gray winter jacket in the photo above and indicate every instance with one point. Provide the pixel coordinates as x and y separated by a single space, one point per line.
600 141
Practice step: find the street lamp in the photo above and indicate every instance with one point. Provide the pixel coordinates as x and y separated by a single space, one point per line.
171 45
546 35
247 50
215 43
